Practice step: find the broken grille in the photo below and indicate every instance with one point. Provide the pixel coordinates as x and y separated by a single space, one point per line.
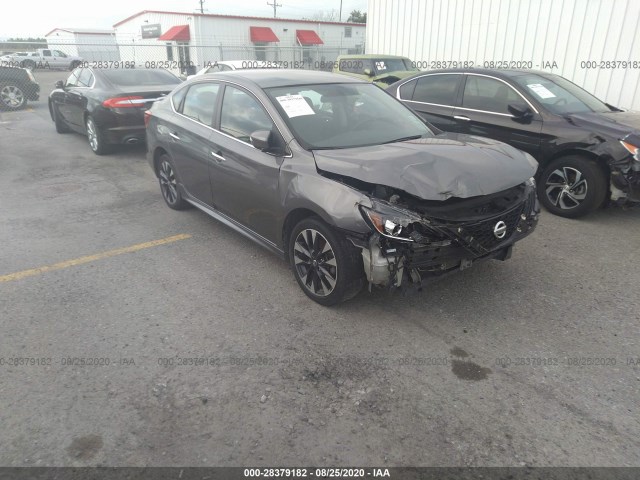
482 232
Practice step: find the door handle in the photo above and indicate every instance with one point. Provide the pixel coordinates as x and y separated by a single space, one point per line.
462 117
175 136
217 156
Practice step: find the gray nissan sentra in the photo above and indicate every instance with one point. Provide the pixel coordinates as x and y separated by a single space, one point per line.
340 178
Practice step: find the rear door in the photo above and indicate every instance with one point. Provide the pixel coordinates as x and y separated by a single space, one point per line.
244 179
190 134
433 96
484 112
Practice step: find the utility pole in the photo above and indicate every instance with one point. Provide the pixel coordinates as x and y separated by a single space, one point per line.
201 6
275 5
340 17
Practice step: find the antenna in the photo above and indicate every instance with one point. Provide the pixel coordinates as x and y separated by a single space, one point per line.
201 6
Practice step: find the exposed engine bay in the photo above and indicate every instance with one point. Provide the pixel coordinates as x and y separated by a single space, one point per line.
414 239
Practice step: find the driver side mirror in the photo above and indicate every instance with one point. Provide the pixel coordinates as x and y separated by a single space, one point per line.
266 141
521 112
60 84
368 72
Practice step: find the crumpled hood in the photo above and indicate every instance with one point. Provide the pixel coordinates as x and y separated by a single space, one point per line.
613 123
437 168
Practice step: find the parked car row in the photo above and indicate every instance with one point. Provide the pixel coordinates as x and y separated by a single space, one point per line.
587 149
355 185
41 58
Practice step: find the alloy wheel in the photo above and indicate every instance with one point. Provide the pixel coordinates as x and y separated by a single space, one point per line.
566 188
92 135
11 96
168 183
315 262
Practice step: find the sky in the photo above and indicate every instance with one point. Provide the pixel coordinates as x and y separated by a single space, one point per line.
43 15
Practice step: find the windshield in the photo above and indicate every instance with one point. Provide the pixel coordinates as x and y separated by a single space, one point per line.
132 77
386 65
559 95
345 115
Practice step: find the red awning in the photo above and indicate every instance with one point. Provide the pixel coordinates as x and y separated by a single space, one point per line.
262 35
179 33
308 37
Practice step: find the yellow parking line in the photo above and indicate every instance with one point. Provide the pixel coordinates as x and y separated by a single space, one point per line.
91 258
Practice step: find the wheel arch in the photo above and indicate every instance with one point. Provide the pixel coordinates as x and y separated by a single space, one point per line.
291 220
157 153
578 152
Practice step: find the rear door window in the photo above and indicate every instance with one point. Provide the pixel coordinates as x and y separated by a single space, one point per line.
437 89
200 102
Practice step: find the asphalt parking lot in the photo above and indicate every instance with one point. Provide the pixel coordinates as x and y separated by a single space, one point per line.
533 361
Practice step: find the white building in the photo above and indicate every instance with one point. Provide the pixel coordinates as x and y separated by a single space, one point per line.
593 43
151 37
90 44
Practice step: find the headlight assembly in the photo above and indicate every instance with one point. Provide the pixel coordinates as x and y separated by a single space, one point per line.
389 221
632 149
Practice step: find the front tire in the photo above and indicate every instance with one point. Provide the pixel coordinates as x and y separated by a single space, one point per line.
96 138
12 97
572 186
169 184
326 266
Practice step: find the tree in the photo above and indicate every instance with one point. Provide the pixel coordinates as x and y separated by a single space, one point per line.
357 17
323 16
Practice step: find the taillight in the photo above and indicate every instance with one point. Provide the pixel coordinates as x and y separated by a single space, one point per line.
124 102
147 117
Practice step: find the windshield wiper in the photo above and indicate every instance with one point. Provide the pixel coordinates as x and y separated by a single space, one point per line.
404 139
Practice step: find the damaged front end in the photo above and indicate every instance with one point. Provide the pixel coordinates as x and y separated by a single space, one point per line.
625 172
413 239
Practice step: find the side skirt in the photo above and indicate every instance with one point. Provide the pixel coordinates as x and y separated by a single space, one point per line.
221 217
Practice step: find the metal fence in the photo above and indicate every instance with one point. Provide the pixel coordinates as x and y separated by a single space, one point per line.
180 58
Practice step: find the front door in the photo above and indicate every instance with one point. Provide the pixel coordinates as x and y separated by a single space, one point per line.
244 180
484 112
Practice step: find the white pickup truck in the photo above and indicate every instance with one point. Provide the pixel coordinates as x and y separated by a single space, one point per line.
42 58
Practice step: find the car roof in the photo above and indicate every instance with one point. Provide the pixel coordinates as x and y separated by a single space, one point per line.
500 73
234 63
267 78
371 55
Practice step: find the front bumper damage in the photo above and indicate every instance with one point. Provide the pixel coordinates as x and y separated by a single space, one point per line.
452 245
625 175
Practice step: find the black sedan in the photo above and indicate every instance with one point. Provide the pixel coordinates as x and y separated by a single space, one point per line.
108 105
17 85
340 178
588 150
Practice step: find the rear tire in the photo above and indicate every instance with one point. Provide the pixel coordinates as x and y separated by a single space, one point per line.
326 266
96 138
572 186
169 184
12 97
